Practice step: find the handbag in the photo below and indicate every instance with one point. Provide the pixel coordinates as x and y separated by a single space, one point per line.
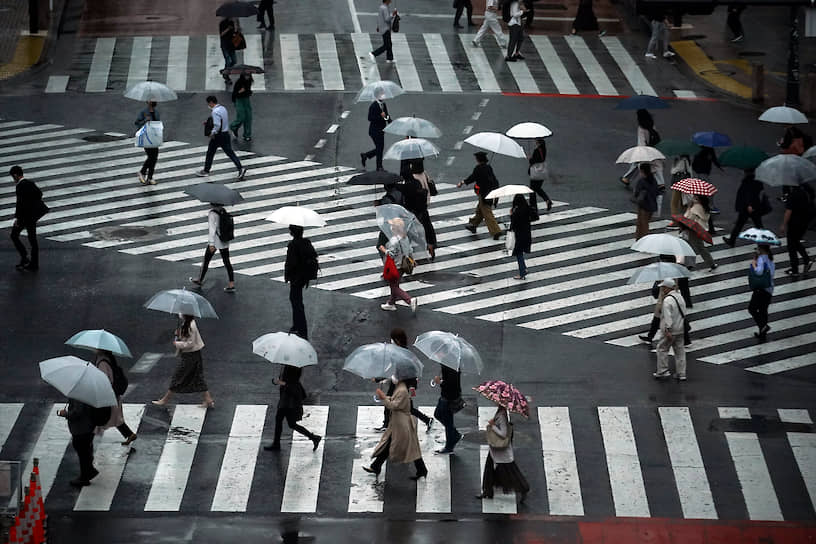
496 441
432 190
238 41
150 135
538 171
390 271
456 405
759 281
395 23
209 125
407 265
510 241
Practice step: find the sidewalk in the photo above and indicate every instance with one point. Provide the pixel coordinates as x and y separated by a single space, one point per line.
19 50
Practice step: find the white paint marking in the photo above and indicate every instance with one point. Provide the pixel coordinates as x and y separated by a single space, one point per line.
139 60
290 57
177 62
788 415
354 19
100 65
501 503
320 143
254 56
784 365
475 116
57 84
332 129
145 363
558 73
434 491
803 446
214 62
628 66
362 47
49 449
441 63
449 161
305 466
345 114
771 346
467 130
458 145
684 94
480 65
308 157
483 102
591 66
409 78
623 463
329 62
238 465
9 411
560 465
524 79
366 492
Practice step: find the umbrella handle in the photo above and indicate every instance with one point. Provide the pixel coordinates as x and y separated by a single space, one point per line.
433 383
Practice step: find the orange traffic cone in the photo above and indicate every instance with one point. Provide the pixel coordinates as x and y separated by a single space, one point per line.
38 510
13 533
36 469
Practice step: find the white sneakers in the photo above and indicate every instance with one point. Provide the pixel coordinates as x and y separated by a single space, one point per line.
650 56
668 54
388 307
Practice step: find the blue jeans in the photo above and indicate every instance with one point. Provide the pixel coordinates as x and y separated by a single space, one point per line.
522 266
230 59
444 415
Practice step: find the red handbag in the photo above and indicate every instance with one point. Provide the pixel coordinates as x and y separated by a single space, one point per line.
390 271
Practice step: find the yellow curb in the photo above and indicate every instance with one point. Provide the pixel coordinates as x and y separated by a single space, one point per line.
741 64
704 67
29 49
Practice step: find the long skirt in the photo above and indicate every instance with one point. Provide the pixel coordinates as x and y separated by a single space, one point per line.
504 475
189 374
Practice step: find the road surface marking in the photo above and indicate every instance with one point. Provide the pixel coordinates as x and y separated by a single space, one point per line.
368 68
501 503
145 363
240 457
290 57
49 449
623 463
804 449
214 62
354 19
332 129
139 60
329 62
433 493
441 63
591 66
305 466
524 79
320 143
628 66
9 412
480 66
100 65
758 349
254 56
684 94
57 84
177 62
409 78
784 365
560 465
366 492
558 73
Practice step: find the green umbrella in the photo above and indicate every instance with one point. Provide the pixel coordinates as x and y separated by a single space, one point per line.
676 148
744 157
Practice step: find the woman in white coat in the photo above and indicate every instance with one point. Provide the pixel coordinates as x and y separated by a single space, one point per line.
214 242
500 467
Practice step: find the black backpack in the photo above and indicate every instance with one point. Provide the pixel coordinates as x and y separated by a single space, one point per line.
654 138
226 225
310 264
120 381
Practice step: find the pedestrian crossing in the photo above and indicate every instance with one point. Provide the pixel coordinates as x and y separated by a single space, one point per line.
429 62
578 268
578 460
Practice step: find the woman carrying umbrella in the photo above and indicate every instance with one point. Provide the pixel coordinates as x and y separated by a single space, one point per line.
521 216
105 361
644 137
700 213
418 190
149 113
399 338
243 107
398 247
214 241
760 276
538 174
290 407
189 374
645 197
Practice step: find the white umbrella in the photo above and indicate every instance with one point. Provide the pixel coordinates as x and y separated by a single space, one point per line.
450 350
640 153
785 170
415 127
810 154
760 236
664 244
380 360
151 90
297 215
497 143
657 272
784 115
285 349
99 339
181 301
379 90
78 380
529 130
509 190
412 148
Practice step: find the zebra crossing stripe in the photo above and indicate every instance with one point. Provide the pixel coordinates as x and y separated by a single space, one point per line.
784 365
434 491
290 58
240 457
591 66
623 463
139 60
253 56
214 62
303 475
628 66
9 412
50 448
10 124
100 65
804 449
501 503
12 150
78 147
365 493
558 73
769 347
524 79
177 54
752 471
480 66
25 129
329 62
409 78
362 47
788 415
560 465
440 60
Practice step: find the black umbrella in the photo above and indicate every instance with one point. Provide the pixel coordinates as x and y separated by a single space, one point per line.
236 9
215 193
241 68
378 177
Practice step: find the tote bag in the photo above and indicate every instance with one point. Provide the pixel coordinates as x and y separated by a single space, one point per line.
151 134
538 171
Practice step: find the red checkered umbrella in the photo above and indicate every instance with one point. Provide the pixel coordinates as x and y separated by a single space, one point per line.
694 186
695 227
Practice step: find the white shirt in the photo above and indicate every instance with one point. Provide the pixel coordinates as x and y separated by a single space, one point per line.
491 4
220 118
515 14
214 221
670 316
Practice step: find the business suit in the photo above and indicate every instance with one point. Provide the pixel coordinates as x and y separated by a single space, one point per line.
28 211
376 124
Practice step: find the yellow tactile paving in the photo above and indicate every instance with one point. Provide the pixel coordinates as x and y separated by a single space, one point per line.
29 49
704 67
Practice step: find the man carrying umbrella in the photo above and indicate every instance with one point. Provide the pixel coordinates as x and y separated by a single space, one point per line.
484 181
378 119
672 326
81 425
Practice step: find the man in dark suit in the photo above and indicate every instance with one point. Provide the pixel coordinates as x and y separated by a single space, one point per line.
485 182
30 208
377 120
296 272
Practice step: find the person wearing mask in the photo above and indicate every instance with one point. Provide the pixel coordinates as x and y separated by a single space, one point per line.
672 326
748 205
799 212
700 212
189 374
520 217
490 23
761 274
384 20
484 181
538 175
28 210
226 30
219 137
106 362
243 106
150 113
296 272
290 407
645 198
214 242
450 402
397 248
81 427
516 30
378 119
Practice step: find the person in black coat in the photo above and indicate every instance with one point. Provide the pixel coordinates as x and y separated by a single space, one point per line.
799 212
416 202
484 181
450 393
539 156
81 427
748 206
268 7
296 273
290 407
520 219
378 118
30 208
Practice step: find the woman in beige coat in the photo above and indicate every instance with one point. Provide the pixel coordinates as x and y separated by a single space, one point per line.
399 443
105 361
700 212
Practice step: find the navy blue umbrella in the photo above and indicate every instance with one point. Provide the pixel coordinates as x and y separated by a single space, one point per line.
642 102
711 139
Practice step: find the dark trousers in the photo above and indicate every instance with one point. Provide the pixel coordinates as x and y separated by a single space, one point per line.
742 218
516 37
222 140
414 412
385 47
758 307
733 21
685 292
444 415
379 461
83 446
286 414
208 255
795 246
378 137
149 164
537 186
268 7
430 233
298 311
461 6
124 430
31 231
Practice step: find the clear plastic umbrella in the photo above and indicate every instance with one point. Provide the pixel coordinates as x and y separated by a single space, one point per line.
784 115
394 220
782 170
528 130
285 349
657 272
79 380
297 215
639 153
413 148
497 143
450 350
214 193
151 90
379 90
810 154
99 339
181 301
380 360
415 127
663 244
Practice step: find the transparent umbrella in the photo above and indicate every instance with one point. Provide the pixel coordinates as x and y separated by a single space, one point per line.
412 148
78 380
181 301
151 90
285 349
415 127
658 271
786 170
380 360
99 339
396 221
663 244
451 350
379 90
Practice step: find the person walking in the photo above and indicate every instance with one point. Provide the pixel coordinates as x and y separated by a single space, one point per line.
461 6
748 205
646 135
81 426
538 175
398 248
645 198
680 170
399 443
520 218
106 362
266 7
657 293
701 165
417 189
660 34
378 119
243 106
149 113
28 210
214 241
799 212
734 23
301 257
500 468
399 338
189 374
761 280
450 401
672 326
484 181
219 137
700 212
226 30
384 20
490 23
516 31
585 18
290 407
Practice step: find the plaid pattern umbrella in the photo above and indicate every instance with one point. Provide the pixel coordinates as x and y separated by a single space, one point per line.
506 395
694 186
698 229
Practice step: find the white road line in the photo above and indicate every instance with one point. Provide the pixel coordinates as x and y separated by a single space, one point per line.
687 464
752 471
803 446
100 65
145 363
80 148
354 19
409 78
362 47
238 464
110 458
474 117
10 124
290 58
480 65
176 459
9 412
524 79
558 73
560 465
139 60
320 143
305 466
254 56
329 62
623 463
628 66
57 84
27 130
449 161
591 66
467 130
332 129
784 365
684 94
177 62
7 153
433 493
366 492
788 415
441 63
758 349
214 62
501 503
37 139
49 449
345 114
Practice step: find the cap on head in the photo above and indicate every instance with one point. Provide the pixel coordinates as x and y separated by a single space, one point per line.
668 283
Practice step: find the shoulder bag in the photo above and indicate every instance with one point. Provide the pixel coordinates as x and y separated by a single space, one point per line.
538 171
407 265
686 324
238 40
496 441
759 281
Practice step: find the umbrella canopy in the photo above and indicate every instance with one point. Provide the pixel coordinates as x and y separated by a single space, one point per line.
529 130
694 186
676 148
99 339
760 236
151 90
297 215
215 193
236 9
375 177
78 380
744 157
379 90
405 369
640 153
698 229
663 244
784 115
506 395
810 154
509 190
413 148
394 220
378 360
711 139
658 272
241 68
285 349
642 102
415 127
786 170
181 301
450 350
497 143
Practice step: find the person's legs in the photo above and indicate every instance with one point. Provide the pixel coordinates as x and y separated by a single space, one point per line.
227 264
247 117
298 311
293 424
397 292
633 169
493 22
697 244
685 292
226 145
419 415
379 461
430 232
379 146
664 36
124 430
212 146
208 255
487 212
663 355
679 356
653 39
150 162
522 267
537 185
31 231
482 30
280 415
460 7
642 223
444 415
83 445
469 8
240 112
756 217
15 239
795 247
653 327
389 53
512 43
477 218
741 219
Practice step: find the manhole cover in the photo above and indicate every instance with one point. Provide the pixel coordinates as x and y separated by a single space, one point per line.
695 37
446 278
128 233
750 54
102 138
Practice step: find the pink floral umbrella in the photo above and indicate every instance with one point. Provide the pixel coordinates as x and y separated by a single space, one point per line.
506 395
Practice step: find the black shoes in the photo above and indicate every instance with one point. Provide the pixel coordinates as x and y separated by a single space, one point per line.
316 441
457 25
79 482
372 470
419 475
645 338
363 158
22 264
471 228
